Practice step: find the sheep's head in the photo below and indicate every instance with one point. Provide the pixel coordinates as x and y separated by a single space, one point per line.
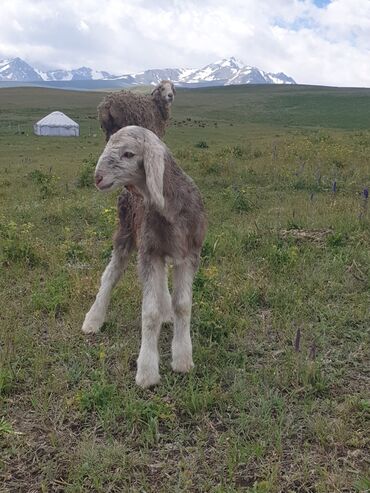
165 91
133 157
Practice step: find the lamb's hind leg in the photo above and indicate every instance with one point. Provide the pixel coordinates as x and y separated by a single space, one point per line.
95 317
183 274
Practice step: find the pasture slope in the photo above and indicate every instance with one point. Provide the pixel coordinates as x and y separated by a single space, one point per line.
278 400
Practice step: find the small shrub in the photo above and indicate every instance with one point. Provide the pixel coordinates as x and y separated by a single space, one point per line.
336 240
197 399
6 381
312 378
239 151
184 153
99 397
202 144
85 179
5 427
213 168
294 224
280 254
17 252
16 247
45 181
338 163
208 250
142 412
210 325
241 201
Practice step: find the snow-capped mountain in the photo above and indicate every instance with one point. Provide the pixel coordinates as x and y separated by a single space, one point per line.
82 73
227 71
221 70
153 76
253 75
15 69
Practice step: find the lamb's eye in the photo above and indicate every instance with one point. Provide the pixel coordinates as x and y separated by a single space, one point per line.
128 154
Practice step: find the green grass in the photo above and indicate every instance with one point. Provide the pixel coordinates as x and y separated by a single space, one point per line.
278 399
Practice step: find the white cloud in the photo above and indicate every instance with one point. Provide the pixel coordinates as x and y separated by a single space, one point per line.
83 26
17 26
329 45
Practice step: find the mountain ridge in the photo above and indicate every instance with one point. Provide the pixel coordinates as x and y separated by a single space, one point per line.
227 71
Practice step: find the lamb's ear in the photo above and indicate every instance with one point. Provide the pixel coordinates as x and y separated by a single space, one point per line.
156 89
173 88
154 153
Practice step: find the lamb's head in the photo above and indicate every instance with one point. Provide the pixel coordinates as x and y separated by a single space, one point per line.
133 157
165 91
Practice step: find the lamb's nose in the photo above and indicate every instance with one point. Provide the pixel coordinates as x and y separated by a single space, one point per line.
98 179
170 96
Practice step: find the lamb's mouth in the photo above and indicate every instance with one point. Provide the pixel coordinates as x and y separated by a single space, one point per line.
105 187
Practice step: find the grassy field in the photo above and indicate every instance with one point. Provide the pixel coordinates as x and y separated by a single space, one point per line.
278 400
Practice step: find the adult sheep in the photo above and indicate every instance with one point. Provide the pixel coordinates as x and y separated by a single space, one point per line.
124 108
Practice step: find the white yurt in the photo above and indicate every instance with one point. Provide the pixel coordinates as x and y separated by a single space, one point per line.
57 124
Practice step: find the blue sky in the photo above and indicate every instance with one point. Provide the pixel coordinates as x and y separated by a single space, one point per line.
321 3
313 41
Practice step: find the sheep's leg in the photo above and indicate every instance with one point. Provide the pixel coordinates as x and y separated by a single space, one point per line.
95 317
154 277
183 274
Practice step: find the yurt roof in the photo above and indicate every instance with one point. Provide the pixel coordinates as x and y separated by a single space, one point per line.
57 119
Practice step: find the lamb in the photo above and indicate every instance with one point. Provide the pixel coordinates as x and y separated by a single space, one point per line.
120 109
161 214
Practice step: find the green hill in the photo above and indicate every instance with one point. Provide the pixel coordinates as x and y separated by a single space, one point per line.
268 105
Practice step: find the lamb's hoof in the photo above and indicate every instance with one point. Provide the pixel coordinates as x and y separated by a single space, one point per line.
91 325
146 378
182 365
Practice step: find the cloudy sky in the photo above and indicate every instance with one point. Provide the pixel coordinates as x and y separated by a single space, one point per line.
314 41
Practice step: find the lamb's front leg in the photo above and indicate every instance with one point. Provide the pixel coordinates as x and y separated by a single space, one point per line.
183 274
153 273
95 317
